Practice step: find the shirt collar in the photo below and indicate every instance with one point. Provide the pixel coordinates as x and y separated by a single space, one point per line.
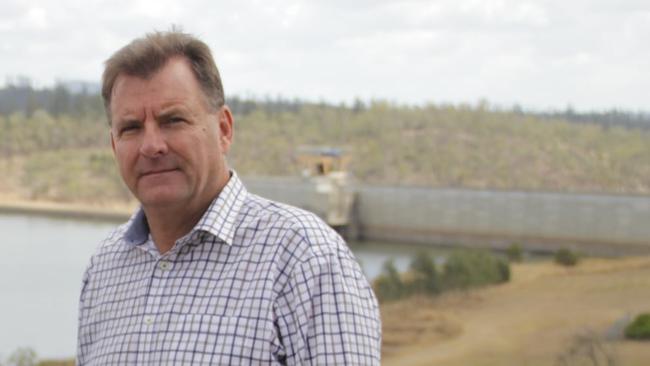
218 220
137 230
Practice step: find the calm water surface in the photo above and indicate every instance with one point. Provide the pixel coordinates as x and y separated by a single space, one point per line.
41 265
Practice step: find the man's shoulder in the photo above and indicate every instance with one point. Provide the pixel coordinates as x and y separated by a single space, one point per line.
301 231
281 213
113 242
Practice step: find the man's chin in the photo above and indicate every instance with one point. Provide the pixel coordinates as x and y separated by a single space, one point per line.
161 198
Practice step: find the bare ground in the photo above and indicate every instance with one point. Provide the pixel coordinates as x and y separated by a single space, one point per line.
532 320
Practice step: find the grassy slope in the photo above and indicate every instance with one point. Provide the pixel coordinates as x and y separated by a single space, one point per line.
458 147
428 146
87 175
529 321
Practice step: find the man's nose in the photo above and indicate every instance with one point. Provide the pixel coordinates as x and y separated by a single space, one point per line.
153 141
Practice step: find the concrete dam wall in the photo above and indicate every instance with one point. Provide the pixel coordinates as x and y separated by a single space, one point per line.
596 224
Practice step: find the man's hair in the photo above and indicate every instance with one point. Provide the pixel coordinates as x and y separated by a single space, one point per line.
144 56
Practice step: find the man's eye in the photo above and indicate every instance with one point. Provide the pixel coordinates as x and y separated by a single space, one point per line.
128 128
176 119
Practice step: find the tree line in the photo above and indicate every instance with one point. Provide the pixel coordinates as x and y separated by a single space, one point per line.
82 99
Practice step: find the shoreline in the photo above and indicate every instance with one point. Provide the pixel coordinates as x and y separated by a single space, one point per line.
66 210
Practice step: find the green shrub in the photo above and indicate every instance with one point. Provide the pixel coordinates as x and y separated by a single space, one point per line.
515 253
463 269
472 268
639 328
426 279
388 285
504 270
566 257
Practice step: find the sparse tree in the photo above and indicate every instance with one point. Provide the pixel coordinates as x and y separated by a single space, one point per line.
23 356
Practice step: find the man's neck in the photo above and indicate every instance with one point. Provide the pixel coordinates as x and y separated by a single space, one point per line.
168 224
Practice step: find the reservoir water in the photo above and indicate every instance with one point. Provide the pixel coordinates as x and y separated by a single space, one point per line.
41 263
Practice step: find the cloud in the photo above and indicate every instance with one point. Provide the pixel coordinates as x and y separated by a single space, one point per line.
591 54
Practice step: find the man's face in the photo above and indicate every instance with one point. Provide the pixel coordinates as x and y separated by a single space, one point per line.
170 147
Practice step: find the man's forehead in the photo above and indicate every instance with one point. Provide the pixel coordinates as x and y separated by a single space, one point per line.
174 83
176 71
131 93
164 108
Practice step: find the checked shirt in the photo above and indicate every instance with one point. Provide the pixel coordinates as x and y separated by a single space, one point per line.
254 283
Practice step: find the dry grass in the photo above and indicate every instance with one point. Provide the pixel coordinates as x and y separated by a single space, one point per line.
530 321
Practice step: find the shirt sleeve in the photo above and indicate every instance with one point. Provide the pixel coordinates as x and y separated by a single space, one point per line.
328 314
83 341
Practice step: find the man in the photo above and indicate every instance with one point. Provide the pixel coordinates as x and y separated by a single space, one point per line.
206 273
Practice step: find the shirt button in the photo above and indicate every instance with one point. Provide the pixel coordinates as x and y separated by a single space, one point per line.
164 265
148 320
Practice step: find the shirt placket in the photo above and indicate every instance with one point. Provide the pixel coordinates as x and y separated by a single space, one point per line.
152 318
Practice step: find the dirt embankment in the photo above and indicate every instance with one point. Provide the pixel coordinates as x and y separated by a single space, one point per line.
532 320
106 212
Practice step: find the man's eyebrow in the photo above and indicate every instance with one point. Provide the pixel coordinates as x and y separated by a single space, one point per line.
171 110
126 114
126 120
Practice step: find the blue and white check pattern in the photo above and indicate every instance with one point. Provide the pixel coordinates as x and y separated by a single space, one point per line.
255 282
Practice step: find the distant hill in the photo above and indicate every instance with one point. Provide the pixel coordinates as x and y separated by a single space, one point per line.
54 145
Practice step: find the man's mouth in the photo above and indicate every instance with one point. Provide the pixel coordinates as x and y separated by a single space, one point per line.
157 171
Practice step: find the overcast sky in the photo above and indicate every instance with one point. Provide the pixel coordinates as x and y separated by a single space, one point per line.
591 54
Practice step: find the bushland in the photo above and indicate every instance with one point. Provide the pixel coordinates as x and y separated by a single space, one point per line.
462 270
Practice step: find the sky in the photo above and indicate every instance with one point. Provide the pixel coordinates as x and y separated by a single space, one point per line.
545 54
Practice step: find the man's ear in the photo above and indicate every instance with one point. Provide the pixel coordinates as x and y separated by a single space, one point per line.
226 131
110 132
